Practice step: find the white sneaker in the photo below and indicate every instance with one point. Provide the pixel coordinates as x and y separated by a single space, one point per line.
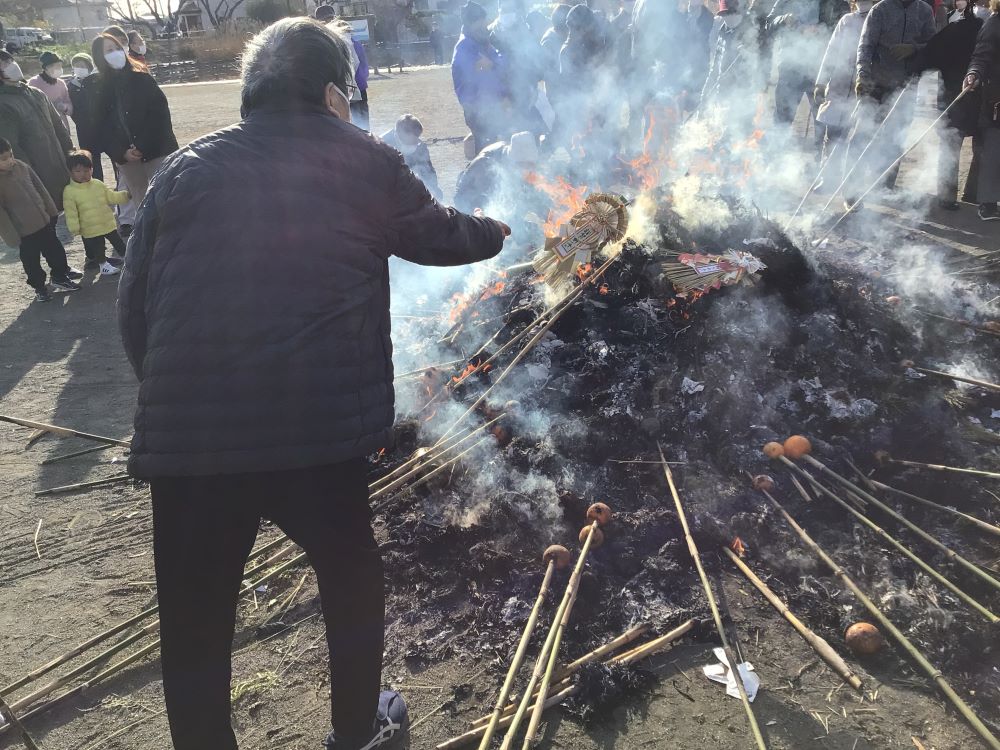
109 270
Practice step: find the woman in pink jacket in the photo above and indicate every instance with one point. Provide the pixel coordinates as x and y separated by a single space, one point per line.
50 83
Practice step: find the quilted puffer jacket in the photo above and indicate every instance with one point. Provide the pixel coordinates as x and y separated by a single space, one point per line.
254 302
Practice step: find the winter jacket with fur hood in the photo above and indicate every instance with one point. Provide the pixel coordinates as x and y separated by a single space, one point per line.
254 302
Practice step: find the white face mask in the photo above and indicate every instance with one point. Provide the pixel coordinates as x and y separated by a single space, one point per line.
732 20
141 49
864 6
116 59
12 72
81 72
54 71
347 102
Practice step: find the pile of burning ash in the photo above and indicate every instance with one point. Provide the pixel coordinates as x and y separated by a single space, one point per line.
813 346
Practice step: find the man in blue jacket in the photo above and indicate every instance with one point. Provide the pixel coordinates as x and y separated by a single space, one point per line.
254 308
477 70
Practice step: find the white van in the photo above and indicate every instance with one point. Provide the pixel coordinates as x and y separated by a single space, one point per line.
23 36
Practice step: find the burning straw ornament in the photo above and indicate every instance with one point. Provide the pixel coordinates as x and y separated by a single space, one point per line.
694 272
603 219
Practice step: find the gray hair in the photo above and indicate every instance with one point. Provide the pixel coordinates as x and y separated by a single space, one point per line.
289 64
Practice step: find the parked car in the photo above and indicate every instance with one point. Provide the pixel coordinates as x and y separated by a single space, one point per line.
24 36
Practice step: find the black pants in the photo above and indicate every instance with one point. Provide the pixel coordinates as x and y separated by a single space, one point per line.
34 247
94 246
203 530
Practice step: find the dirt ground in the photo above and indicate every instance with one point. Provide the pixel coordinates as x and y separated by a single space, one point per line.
72 565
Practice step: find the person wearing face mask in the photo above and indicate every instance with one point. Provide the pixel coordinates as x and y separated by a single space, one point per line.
405 138
254 307
133 119
30 123
84 92
136 46
949 52
480 81
893 32
834 91
50 83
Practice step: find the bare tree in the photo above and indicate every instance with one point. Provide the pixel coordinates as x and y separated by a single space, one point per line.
220 12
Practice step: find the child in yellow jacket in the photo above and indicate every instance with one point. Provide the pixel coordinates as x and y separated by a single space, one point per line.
87 203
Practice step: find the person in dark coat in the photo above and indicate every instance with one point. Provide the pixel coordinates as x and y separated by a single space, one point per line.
133 117
436 39
254 309
950 52
477 72
84 92
984 74
405 138
34 129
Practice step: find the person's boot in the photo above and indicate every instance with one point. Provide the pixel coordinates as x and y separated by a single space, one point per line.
391 730
989 212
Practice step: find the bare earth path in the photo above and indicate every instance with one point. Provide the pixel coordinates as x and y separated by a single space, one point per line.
62 362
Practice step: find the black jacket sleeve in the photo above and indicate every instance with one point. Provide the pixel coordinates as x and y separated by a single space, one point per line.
152 131
425 232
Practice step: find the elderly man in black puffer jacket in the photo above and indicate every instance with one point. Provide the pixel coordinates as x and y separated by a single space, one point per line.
254 307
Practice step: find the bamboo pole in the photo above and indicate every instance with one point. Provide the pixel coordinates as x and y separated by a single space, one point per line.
522 648
84 485
64 431
953 556
541 663
907 552
427 477
67 678
696 557
887 459
933 672
965 323
74 454
980 524
7 713
960 378
815 641
570 669
565 689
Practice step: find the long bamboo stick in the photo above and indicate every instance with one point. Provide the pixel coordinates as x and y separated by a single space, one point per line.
84 485
64 431
74 454
952 555
541 663
960 378
565 689
984 611
887 459
978 523
522 648
815 641
7 713
696 557
965 323
933 672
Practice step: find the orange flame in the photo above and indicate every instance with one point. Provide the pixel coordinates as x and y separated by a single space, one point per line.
567 201
737 547
604 289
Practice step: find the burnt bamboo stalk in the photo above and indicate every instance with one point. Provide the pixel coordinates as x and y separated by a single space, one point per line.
74 652
427 477
84 485
12 721
816 642
696 557
967 324
74 454
960 378
566 303
940 467
978 523
541 663
67 678
953 556
933 672
907 552
564 689
64 431
570 669
515 663
572 591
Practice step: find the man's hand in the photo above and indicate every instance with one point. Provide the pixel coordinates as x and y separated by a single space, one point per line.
819 94
503 228
133 154
971 81
903 51
862 87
